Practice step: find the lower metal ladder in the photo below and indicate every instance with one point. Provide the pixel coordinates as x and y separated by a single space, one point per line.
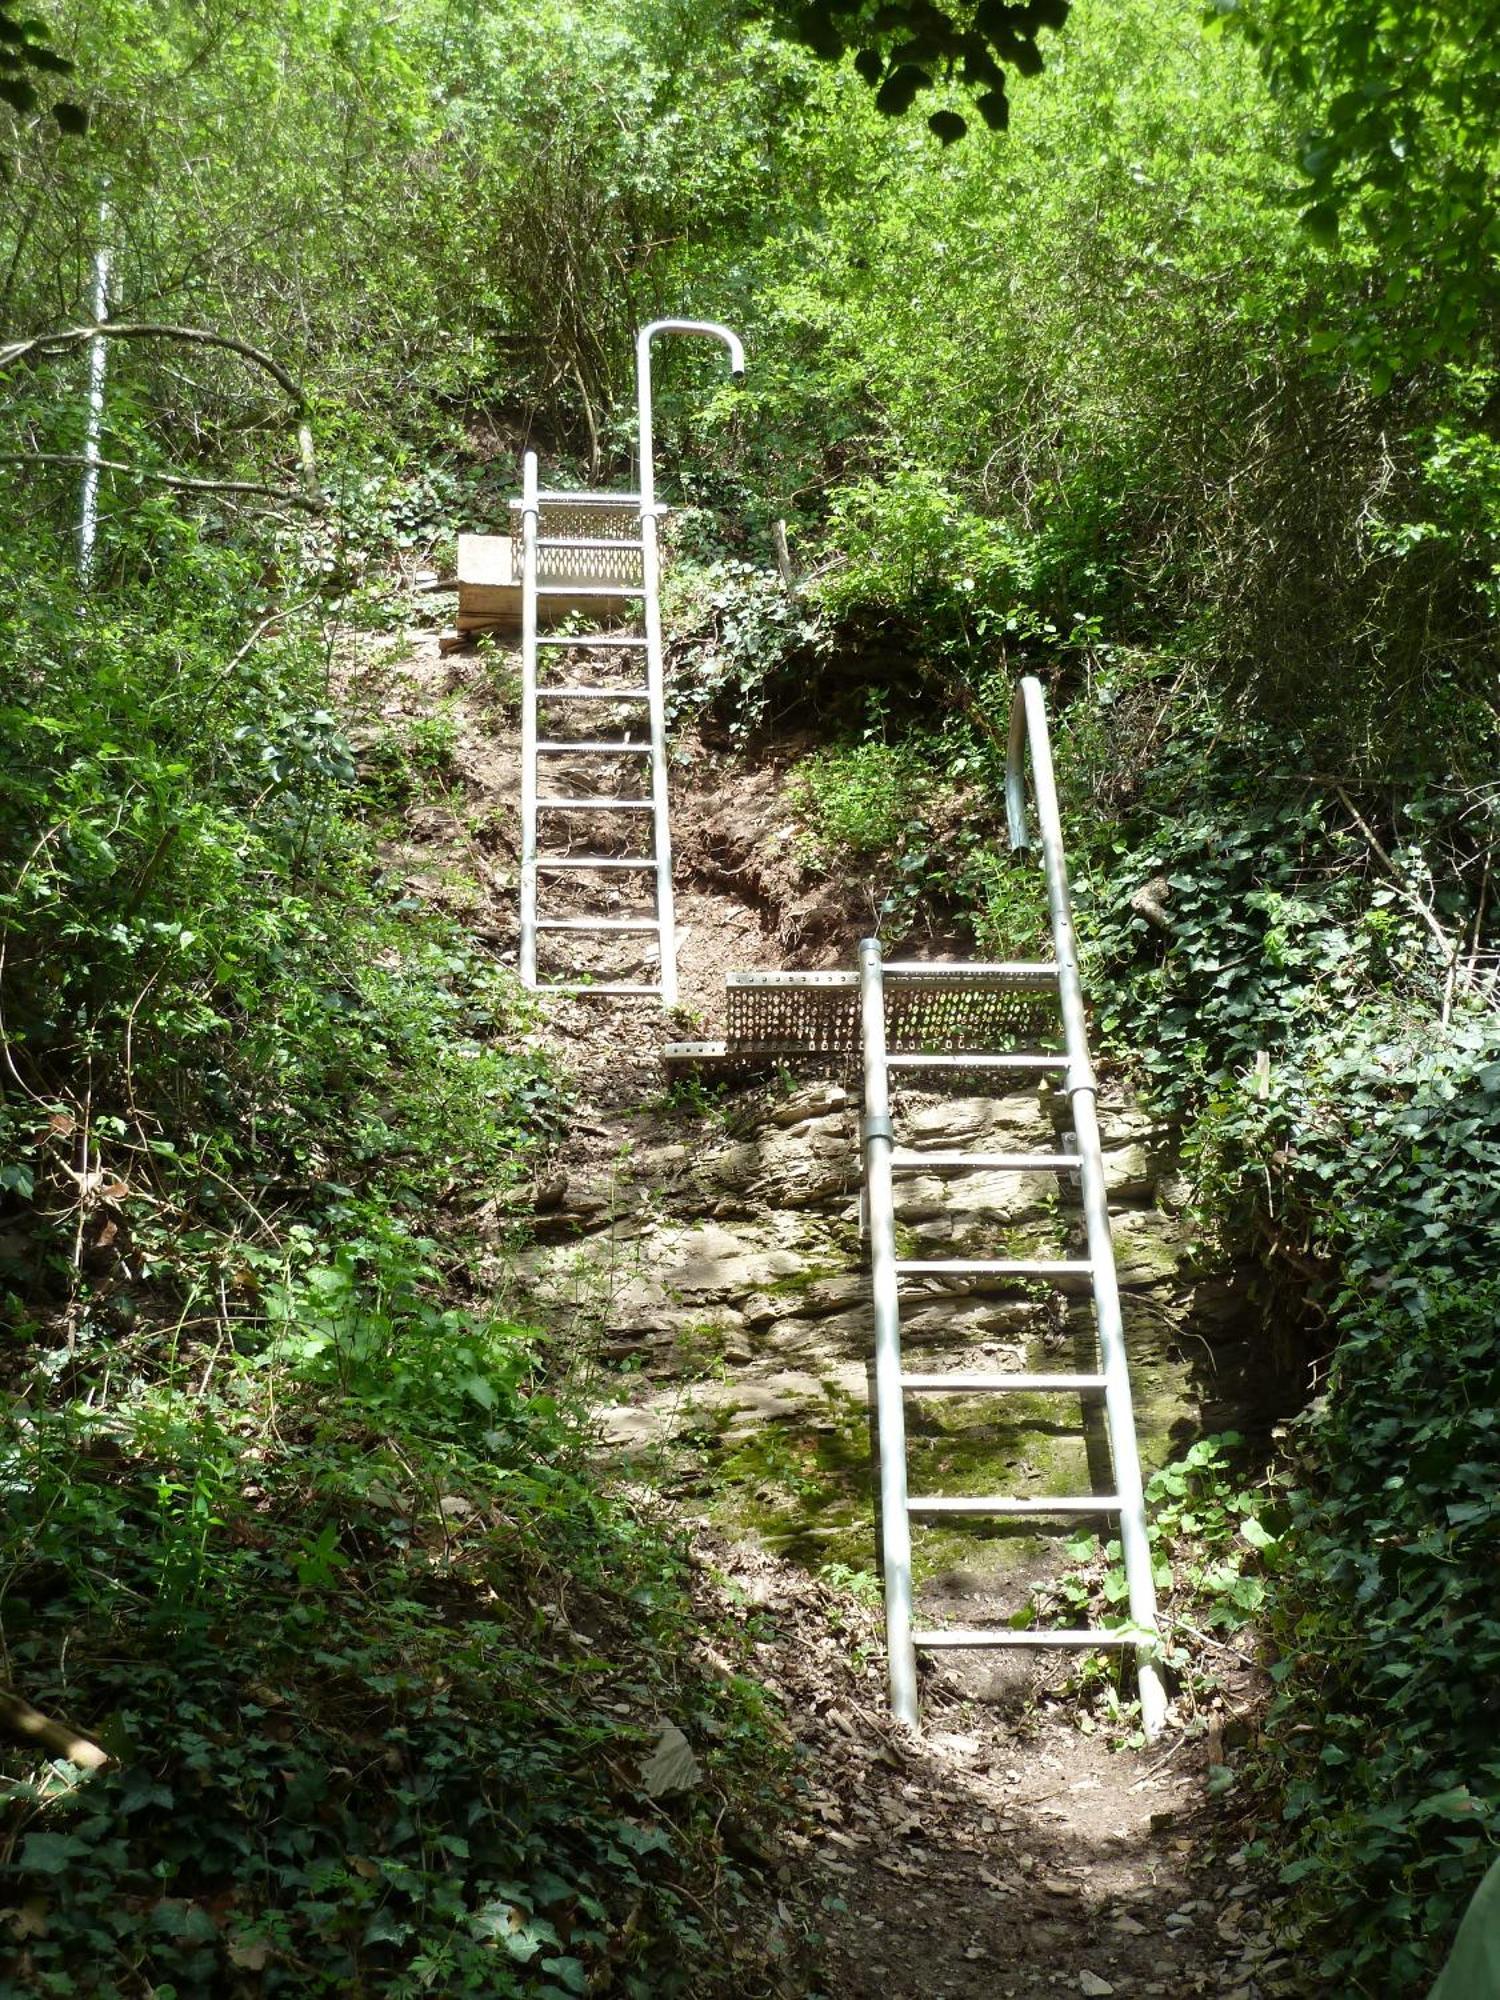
883 1159
568 561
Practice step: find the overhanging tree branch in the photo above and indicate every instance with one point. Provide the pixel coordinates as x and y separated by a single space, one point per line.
308 506
45 345
25 1724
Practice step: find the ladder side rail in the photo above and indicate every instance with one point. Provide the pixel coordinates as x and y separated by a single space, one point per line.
656 711
651 580
1029 732
890 1413
530 508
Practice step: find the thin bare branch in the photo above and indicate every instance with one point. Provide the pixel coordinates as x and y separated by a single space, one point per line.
290 499
47 344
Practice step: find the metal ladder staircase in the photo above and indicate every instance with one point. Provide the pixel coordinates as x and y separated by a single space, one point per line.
622 671
599 546
880 987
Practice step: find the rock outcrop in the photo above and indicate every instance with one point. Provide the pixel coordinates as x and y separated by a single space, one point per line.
718 1257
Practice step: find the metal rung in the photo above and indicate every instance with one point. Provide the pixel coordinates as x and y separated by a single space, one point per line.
562 499
593 694
996 1267
963 1384
788 982
594 805
591 590
1018 1163
596 986
609 748
977 1062
589 861
1040 974
955 1636
597 924
586 542
986 1503
596 639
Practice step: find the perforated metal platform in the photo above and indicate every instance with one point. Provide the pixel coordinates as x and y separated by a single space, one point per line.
602 533
810 1020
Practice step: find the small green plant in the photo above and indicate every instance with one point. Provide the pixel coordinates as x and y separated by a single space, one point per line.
858 1584
693 1096
861 800
501 667
402 762
1214 1539
698 1351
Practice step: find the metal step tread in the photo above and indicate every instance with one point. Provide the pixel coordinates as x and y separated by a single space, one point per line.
590 861
788 982
961 1383
940 1636
998 1267
593 694
588 542
1034 975
561 498
594 805
597 924
1020 1163
616 642
999 1503
1015 1062
608 747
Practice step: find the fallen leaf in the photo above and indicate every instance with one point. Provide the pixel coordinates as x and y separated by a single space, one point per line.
29 1921
671 1767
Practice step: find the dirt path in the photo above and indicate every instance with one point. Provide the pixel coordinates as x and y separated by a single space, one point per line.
1004 1852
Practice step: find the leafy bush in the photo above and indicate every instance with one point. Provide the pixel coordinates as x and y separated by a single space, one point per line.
863 799
1294 1007
296 1525
381 1679
1381 1743
749 640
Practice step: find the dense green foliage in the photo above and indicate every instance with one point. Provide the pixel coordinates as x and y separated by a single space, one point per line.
1398 159
292 1516
26 58
381 1678
1346 1126
1182 392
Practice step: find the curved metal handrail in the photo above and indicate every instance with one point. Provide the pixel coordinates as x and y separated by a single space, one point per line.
651 580
714 331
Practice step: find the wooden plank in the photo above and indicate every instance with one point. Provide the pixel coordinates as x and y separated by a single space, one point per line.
487 562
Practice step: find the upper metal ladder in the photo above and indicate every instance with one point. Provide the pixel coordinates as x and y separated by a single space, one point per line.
569 566
883 1160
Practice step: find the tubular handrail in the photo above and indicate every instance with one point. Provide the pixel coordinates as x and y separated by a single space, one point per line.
714 331
1029 736
651 579
530 517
